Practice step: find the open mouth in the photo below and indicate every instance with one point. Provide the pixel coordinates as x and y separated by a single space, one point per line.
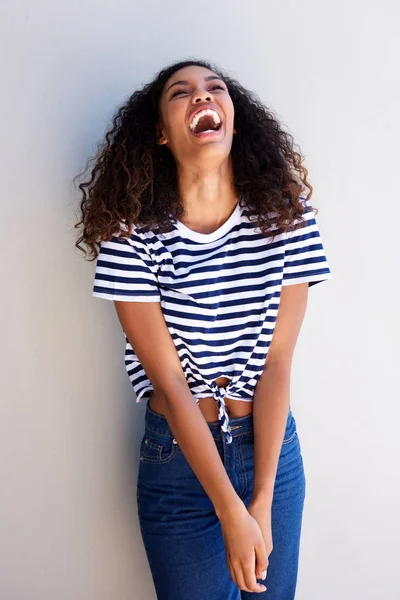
206 122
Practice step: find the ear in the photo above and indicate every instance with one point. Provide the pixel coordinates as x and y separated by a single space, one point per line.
160 138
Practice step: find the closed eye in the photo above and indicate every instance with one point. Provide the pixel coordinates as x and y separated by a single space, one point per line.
184 91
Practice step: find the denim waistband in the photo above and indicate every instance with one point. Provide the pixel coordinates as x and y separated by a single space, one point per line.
159 424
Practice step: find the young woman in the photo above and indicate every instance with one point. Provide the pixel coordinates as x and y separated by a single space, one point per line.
196 213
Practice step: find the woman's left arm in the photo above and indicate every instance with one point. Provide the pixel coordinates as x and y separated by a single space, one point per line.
271 408
272 393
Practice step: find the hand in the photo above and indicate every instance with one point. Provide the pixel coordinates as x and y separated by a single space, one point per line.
261 512
244 547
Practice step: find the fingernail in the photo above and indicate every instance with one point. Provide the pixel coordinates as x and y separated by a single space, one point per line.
263 574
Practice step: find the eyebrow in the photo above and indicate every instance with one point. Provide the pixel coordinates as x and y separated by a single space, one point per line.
184 82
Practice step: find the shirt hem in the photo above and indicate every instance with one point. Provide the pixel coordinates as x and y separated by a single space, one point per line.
124 298
307 278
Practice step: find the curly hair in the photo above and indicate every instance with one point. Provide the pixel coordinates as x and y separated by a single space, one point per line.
134 179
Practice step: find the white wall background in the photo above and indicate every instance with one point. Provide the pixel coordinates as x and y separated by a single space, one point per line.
69 426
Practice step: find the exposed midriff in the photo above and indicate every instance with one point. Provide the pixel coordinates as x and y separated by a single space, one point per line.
208 406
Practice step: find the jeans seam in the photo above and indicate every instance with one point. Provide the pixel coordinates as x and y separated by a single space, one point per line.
235 435
158 432
241 462
290 438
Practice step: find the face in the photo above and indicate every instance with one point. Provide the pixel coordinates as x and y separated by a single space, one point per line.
186 92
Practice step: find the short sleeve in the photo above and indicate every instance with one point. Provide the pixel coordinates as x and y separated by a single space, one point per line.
305 258
125 271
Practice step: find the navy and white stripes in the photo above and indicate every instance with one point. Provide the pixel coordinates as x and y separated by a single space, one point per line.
219 294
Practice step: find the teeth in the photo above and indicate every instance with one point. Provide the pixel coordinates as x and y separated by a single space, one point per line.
206 111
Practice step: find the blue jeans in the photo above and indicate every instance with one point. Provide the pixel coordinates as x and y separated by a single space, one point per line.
181 533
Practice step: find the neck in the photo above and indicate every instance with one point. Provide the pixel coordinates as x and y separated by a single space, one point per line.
208 196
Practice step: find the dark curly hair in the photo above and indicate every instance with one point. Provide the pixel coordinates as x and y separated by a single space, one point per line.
134 179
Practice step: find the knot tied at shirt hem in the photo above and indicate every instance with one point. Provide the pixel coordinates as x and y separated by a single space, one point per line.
223 417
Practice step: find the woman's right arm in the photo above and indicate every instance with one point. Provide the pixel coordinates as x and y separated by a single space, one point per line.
147 332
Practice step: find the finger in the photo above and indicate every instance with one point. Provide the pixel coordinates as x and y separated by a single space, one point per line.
232 572
261 560
250 578
240 579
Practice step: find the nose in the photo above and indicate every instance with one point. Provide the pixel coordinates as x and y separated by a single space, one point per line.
202 96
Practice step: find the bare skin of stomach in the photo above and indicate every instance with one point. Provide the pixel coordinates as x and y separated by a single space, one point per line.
208 406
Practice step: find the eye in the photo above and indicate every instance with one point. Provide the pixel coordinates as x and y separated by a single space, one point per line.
178 92
184 91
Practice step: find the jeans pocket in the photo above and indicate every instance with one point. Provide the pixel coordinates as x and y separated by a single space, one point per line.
156 448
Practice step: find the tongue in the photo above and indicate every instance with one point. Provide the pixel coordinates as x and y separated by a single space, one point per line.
205 122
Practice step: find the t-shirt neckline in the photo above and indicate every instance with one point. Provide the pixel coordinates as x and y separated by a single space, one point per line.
214 235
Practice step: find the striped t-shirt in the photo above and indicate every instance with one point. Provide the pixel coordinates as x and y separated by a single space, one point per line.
219 294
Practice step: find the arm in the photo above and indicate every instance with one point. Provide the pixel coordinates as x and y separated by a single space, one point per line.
147 332
145 327
271 397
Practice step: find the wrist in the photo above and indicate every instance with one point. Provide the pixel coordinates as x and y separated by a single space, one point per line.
262 496
230 510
